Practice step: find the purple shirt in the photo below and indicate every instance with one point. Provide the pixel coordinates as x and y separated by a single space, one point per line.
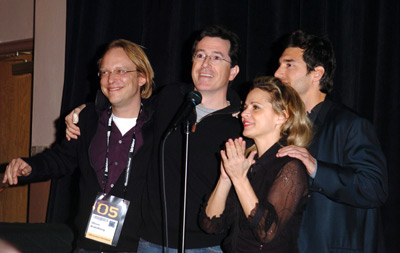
118 151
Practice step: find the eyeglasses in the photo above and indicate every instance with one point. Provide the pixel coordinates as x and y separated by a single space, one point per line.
200 56
118 72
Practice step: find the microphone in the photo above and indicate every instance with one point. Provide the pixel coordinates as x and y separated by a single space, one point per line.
193 98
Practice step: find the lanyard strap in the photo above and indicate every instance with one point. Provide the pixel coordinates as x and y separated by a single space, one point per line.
130 156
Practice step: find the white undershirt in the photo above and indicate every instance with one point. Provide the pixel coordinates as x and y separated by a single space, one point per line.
201 111
124 124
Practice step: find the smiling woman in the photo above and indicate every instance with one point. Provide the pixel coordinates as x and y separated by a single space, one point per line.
271 191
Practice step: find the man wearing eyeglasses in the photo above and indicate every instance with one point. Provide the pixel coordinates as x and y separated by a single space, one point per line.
112 154
214 65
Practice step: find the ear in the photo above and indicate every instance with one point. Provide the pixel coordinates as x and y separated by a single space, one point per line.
233 72
282 118
141 80
318 73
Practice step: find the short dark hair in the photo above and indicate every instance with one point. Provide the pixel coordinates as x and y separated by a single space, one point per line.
318 51
222 32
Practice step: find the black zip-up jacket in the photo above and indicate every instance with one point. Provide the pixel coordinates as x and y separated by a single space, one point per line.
205 143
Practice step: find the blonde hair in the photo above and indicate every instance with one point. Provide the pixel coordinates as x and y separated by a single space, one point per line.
285 101
139 58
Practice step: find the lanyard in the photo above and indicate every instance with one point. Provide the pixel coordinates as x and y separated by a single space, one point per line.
130 157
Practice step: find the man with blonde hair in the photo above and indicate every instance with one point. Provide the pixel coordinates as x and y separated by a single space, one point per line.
112 154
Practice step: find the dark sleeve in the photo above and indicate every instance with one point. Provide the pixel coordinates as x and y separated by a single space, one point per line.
55 162
62 158
271 215
359 178
217 225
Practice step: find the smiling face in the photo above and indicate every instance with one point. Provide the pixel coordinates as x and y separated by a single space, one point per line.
292 70
261 123
121 89
213 77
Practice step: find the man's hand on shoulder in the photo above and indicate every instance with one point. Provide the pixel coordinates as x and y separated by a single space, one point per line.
302 154
72 131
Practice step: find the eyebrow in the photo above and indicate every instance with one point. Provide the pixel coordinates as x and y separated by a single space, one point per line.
252 103
288 60
122 68
213 52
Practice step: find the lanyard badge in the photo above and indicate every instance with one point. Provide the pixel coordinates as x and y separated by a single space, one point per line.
109 212
107 218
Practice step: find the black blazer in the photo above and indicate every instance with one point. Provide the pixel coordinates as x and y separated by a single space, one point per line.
342 213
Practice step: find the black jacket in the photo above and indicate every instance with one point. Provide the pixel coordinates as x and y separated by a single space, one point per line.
342 213
64 158
205 143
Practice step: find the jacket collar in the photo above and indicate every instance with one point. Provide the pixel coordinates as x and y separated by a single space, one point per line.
232 97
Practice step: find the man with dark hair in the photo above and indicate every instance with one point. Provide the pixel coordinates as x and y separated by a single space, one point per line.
120 134
225 34
347 169
214 65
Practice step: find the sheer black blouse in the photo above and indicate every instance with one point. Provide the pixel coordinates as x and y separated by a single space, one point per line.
281 187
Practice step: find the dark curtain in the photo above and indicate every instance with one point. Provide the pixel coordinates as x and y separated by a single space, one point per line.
365 35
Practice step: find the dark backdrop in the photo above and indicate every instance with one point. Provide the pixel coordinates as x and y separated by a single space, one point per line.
365 35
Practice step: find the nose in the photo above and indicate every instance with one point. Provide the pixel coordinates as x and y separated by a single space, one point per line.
206 61
279 73
111 77
245 113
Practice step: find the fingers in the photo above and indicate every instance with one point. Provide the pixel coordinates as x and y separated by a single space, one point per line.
291 150
235 148
300 153
224 157
73 116
17 167
5 178
250 158
230 149
73 131
223 174
76 112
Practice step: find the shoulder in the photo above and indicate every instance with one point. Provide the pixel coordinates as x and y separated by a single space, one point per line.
89 116
89 112
293 168
173 89
291 163
339 114
233 97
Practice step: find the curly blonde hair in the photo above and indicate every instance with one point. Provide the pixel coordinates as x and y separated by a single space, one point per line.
285 101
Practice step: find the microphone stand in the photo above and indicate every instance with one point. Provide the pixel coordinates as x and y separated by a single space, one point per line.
187 132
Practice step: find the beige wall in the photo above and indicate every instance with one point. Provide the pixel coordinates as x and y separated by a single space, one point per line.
48 78
48 30
16 20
